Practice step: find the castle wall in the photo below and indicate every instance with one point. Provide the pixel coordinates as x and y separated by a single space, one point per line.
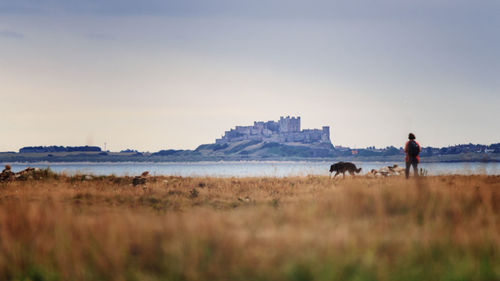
286 130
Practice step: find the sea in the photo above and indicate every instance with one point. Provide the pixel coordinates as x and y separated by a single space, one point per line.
245 169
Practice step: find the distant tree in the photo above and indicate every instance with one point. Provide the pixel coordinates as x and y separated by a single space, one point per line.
54 148
128 150
391 150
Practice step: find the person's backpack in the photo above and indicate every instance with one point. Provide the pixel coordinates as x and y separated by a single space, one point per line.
413 149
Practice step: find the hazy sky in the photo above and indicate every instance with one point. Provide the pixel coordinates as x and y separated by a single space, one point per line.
157 74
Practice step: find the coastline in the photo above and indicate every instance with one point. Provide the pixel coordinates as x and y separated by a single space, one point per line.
117 158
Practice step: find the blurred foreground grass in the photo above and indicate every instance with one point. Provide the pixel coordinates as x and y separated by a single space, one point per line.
304 228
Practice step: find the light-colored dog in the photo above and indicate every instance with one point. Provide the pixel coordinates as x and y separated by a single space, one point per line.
387 171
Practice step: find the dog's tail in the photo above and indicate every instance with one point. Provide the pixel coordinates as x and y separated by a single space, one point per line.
358 170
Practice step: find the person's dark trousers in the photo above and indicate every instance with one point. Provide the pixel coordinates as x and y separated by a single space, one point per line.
413 162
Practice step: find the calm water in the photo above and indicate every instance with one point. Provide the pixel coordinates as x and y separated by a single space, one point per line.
244 169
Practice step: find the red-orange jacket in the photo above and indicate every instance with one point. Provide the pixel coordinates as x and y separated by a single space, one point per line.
407 158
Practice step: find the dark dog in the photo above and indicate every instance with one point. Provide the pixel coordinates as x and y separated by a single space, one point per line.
342 167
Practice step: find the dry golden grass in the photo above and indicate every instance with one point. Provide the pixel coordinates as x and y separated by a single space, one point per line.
303 228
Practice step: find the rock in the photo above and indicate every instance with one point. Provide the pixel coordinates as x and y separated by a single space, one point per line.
26 174
7 174
140 180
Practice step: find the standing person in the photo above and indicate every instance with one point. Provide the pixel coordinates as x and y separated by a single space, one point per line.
412 149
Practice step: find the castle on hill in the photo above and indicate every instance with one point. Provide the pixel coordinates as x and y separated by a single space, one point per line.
286 130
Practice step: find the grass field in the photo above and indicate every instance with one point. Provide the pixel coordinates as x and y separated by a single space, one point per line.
304 228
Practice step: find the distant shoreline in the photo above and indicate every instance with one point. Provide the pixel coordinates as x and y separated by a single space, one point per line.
253 150
19 158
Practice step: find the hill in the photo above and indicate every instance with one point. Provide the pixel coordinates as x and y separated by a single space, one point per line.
253 149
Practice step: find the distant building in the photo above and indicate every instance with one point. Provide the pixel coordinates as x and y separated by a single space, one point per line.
286 130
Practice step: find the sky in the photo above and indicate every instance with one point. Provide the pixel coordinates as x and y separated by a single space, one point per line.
160 74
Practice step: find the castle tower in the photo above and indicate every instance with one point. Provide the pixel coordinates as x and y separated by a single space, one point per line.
326 134
289 124
296 124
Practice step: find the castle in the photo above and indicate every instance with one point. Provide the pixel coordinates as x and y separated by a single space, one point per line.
286 130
